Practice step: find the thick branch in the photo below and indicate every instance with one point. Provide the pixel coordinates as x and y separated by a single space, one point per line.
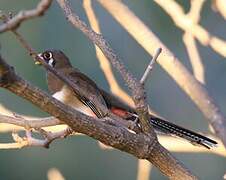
139 145
27 122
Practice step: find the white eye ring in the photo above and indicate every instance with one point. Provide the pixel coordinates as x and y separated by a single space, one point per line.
47 56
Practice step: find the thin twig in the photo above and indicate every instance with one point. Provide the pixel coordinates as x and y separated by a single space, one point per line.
150 66
29 140
24 43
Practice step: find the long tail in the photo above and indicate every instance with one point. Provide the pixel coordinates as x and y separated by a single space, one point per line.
172 129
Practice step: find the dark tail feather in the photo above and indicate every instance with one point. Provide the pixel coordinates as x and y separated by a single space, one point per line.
172 129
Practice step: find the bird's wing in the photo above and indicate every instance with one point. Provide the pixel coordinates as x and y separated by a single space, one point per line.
88 87
113 101
85 84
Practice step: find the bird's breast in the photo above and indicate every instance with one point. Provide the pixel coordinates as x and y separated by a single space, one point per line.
66 96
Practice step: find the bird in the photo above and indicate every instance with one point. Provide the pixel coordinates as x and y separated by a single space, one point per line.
59 90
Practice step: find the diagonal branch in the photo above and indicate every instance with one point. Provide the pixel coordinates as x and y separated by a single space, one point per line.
220 6
190 44
150 66
79 122
139 145
15 22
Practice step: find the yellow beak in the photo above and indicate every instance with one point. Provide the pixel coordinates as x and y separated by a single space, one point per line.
37 63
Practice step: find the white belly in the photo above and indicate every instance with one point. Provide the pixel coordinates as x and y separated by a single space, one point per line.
66 96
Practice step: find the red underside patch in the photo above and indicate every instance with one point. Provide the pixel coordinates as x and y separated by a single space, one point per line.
119 112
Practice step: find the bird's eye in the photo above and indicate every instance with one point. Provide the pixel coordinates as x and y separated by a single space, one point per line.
47 56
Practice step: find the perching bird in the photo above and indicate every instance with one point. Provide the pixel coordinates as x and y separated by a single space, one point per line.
58 60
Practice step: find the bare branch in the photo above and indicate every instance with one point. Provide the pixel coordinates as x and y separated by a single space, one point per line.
49 136
93 127
144 170
182 21
190 44
195 59
220 6
140 145
178 145
28 140
15 22
30 123
150 66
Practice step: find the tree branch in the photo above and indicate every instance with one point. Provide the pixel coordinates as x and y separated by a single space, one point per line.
30 123
150 66
28 140
15 22
220 7
139 145
190 44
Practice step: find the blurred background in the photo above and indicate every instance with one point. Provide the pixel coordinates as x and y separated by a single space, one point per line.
80 157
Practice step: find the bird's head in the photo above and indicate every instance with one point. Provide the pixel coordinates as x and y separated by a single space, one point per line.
55 58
